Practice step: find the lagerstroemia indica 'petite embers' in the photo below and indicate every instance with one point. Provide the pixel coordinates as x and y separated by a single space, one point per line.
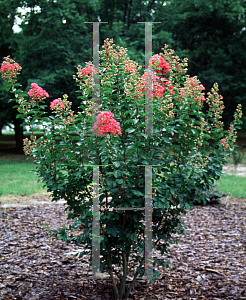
185 149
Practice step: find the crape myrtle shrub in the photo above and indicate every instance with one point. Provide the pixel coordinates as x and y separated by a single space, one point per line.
112 134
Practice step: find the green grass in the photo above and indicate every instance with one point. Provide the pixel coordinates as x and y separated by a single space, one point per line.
17 178
234 185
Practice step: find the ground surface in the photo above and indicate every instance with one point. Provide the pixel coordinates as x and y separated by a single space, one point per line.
239 170
209 263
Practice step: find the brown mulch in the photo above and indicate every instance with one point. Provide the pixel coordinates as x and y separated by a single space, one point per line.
209 263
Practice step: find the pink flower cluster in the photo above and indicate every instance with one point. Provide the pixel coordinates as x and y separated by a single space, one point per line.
106 123
88 70
36 92
130 68
225 144
159 64
56 104
63 108
28 146
159 84
6 66
9 69
193 88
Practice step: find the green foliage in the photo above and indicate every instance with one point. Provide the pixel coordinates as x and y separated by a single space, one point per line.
69 149
212 195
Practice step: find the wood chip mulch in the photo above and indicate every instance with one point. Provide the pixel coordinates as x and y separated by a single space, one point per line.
209 263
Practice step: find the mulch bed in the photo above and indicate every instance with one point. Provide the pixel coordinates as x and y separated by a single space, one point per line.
209 263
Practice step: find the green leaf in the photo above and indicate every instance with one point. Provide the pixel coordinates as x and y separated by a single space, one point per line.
187 205
112 230
137 193
134 237
116 164
144 135
131 130
166 139
117 173
172 190
119 181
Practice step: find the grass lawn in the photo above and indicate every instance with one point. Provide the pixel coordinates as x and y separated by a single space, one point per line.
233 185
17 178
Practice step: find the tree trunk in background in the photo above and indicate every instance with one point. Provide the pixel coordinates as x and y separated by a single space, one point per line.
19 136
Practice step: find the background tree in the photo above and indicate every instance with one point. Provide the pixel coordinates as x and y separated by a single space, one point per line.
212 35
8 46
53 41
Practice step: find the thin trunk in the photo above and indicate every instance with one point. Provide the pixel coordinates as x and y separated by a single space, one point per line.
112 277
18 136
134 278
1 128
123 281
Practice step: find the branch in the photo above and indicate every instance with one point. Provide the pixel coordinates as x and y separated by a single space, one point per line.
112 277
123 281
134 279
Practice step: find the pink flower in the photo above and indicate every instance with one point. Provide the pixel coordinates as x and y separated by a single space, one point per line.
106 123
129 68
226 145
158 85
90 69
7 66
9 69
36 92
159 64
202 87
56 104
193 89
